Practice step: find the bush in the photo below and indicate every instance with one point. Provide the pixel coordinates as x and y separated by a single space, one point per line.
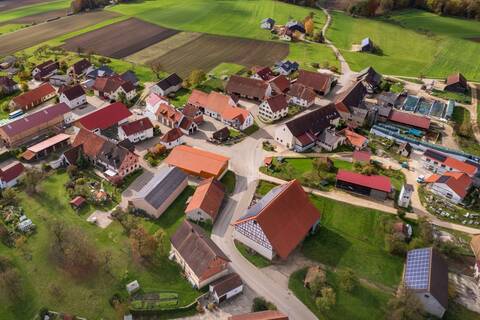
260 304
327 299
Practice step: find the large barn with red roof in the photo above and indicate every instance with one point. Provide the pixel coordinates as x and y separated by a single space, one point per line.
278 223
377 187
110 116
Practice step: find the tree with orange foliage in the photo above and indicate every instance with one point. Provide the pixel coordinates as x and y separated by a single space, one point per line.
309 25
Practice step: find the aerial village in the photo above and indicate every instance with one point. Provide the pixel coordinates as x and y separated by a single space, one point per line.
230 196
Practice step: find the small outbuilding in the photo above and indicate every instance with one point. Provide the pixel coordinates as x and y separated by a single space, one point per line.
133 287
456 83
226 288
78 202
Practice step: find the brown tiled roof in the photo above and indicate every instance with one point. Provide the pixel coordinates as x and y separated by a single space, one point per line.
221 134
110 84
456 78
314 122
167 111
226 284
11 171
73 92
72 154
200 253
352 98
80 66
247 87
34 95
265 73
171 135
91 143
285 215
261 315
278 103
319 82
302 92
439 279
136 126
197 161
208 197
280 84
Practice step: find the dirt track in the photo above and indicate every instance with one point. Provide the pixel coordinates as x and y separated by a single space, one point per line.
120 39
34 35
39 18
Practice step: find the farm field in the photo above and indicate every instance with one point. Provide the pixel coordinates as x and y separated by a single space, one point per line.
34 35
431 45
39 17
208 51
14 9
120 39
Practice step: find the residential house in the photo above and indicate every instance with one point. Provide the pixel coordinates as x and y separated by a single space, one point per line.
439 163
426 274
136 131
45 70
453 186
274 108
172 138
262 73
153 102
321 83
170 84
260 315
10 174
294 25
193 113
7 86
475 246
376 187
278 223
46 147
113 87
35 125
226 287
370 78
405 196
456 83
59 80
201 259
366 45
103 71
356 140
301 133
80 69
411 120
248 88
267 24
130 76
286 67
105 118
280 84
329 140
73 96
158 193
206 201
350 104
171 117
33 98
198 162
301 95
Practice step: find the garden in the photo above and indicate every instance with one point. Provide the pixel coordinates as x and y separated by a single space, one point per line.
465 98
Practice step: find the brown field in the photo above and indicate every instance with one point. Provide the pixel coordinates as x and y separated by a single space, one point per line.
28 37
13 4
120 39
208 51
39 17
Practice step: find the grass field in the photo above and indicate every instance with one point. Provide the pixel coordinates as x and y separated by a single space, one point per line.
88 298
7 28
430 45
33 9
468 143
254 258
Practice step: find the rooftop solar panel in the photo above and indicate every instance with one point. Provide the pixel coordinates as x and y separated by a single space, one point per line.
417 271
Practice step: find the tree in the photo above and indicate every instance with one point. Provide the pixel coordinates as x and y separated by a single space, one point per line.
31 179
72 171
156 68
10 280
9 197
327 299
405 306
195 78
318 283
82 162
260 304
24 87
143 243
395 244
318 37
161 238
309 25
348 280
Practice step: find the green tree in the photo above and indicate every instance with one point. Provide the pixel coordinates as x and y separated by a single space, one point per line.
9 197
195 78
348 280
327 299
31 179
405 306
318 283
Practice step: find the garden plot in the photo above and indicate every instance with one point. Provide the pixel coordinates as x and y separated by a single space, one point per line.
120 39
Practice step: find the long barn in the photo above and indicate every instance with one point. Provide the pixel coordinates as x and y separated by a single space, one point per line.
377 187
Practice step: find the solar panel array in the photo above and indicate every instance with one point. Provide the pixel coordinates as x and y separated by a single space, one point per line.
417 273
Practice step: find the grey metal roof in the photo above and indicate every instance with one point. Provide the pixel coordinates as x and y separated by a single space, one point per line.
262 203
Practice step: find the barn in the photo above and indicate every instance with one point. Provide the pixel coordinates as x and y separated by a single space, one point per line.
377 187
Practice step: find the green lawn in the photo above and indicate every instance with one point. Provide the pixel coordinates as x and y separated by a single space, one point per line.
226 69
88 297
468 143
363 303
7 28
256 259
465 98
228 181
34 9
407 48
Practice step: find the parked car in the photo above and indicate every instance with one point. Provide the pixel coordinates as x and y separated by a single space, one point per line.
421 179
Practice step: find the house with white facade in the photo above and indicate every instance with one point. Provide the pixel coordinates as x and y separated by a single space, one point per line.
136 131
73 96
453 186
10 174
267 24
205 203
301 95
170 84
172 138
226 288
152 103
201 259
113 87
440 163
276 224
405 196
274 108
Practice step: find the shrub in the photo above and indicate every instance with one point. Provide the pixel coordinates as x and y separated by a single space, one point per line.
327 299
260 304
348 280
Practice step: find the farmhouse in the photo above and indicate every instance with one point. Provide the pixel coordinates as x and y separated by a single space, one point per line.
356 140
206 201
278 223
453 186
172 138
370 78
113 87
261 315
321 83
200 258
7 85
157 194
301 95
226 288
136 131
377 187
171 117
475 246
456 83
439 163
73 96
59 80
114 160
45 70
286 67
349 104
426 274
409 120
103 71
33 98
170 84
10 174
248 88
46 147
274 108
280 84
301 133
262 73
198 162
80 68
105 118
35 125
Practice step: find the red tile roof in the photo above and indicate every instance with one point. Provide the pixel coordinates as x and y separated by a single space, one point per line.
208 197
111 83
263 72
106 117
261 315
247 87
287 218
410 119
380 183
78 201
355 139
11 171
278 103
91 143
459 182
460 166
280 84
319 82
34 96
456 78
171 135
137 126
